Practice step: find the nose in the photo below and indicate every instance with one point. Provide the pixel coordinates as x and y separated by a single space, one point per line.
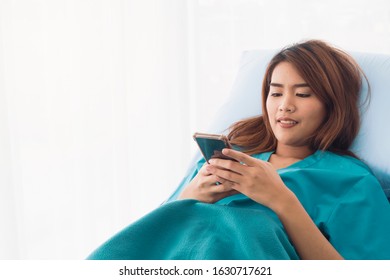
287 105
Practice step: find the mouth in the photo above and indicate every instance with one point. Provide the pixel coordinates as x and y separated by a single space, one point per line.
287 122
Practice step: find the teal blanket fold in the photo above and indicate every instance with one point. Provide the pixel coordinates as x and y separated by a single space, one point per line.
192 230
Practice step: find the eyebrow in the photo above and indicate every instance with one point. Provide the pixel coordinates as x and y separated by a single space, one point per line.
295 86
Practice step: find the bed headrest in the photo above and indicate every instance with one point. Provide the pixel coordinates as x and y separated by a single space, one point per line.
372 144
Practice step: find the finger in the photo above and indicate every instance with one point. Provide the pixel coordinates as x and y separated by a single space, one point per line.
227 165
227 185
222 186
212 180
225 174
204 170
240 157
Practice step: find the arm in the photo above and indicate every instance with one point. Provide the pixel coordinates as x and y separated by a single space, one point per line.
260 181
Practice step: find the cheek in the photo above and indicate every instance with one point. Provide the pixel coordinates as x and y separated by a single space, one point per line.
318 115
270 109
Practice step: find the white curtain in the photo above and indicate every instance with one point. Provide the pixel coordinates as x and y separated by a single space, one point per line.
99 99
94 119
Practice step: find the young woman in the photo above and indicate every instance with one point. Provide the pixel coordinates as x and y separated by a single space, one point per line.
296 190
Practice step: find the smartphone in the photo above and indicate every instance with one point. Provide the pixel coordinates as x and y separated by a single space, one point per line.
211 145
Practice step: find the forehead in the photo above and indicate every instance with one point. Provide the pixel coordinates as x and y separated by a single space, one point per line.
286 73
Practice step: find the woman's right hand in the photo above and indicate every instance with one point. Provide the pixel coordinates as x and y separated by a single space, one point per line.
204 187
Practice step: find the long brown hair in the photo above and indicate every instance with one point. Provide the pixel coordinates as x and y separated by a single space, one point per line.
334 77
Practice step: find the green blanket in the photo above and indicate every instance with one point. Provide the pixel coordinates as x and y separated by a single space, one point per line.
189 229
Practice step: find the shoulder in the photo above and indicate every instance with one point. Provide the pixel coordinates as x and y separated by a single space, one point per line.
340 174
341 163
350 174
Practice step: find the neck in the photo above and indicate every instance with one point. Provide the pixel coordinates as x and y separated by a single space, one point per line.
293 152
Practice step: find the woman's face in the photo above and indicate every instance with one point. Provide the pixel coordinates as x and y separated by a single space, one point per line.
294 111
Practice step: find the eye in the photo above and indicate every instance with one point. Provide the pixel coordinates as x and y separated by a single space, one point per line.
303 95
275 94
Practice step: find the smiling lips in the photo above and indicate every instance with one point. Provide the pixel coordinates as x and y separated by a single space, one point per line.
286 122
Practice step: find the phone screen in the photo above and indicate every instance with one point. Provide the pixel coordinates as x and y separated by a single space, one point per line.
211 146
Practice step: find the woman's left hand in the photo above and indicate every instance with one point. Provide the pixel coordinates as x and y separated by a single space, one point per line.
255 178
